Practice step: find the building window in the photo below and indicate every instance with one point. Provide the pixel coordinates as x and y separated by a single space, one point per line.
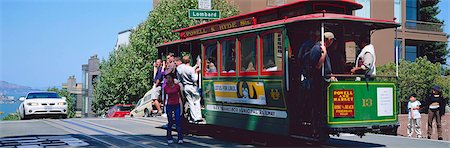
247 50
411 14
365 11
211 58
272 52
411 53
398 43
398 11
228 47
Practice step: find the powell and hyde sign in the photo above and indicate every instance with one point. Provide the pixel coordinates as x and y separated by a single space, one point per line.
204 14
219 27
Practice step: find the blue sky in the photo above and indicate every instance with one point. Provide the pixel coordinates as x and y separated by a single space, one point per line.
45 41
444 6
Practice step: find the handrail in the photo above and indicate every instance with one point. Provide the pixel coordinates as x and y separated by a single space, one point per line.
359 75
424 26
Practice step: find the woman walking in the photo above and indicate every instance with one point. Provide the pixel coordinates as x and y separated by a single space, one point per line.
173 108
436 108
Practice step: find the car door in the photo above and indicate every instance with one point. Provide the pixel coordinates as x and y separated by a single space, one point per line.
139 110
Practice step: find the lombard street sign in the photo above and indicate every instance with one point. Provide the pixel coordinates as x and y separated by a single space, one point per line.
204 14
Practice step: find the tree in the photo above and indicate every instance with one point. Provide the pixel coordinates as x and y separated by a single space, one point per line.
435 51
417 77
414 77
69 99
127 73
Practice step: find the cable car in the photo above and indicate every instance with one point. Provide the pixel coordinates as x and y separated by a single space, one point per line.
251 77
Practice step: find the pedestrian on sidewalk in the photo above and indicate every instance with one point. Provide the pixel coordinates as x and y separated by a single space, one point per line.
173 108
436 109
414 117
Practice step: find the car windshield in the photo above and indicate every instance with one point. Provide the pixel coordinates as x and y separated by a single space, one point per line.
124 108
43 95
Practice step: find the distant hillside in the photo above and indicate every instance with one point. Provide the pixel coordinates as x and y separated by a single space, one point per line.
14 89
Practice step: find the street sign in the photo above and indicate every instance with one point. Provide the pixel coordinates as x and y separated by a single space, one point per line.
204 4
204 14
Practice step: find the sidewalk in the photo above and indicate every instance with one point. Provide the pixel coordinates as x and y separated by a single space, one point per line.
403 120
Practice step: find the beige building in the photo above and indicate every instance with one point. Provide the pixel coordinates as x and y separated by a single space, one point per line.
75 90
411 35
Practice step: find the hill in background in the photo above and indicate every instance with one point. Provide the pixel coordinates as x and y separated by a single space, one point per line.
10 89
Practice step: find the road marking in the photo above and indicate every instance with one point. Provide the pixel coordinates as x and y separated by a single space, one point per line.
148 122
126 132
74 131
107 134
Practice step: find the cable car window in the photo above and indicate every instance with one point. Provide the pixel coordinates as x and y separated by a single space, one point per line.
211 57
248 53
228 56
272 51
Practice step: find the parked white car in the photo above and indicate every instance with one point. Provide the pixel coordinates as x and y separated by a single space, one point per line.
42 104
143 107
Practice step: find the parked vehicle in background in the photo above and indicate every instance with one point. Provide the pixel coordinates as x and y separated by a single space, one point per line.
119 110
144 107
42 104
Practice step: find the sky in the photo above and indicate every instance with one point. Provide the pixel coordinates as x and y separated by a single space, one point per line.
43 42
445 15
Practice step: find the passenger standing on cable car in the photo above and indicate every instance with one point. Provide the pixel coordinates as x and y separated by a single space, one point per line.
365 62
317 58
188 76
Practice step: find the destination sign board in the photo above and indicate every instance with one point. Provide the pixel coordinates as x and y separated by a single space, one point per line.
219 27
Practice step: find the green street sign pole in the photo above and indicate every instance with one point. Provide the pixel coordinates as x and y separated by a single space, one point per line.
204 14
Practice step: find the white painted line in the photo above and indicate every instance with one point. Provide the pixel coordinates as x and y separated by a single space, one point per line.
30 146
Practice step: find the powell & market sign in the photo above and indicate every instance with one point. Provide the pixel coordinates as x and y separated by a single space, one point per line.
219 27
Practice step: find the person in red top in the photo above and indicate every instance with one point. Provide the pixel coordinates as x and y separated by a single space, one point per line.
173 92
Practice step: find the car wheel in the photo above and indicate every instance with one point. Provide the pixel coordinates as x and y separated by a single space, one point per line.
146 113
24 116
131 116
63 117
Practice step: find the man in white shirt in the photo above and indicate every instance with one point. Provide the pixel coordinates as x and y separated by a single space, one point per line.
365 62
188 77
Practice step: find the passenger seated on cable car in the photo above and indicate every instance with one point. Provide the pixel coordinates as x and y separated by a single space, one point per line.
210 66
270 66
365 61
250 67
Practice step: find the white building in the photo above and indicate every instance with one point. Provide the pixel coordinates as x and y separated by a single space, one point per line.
123 39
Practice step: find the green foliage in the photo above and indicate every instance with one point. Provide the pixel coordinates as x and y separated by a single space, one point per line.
127 73
417 77
11 116
428 11
70 99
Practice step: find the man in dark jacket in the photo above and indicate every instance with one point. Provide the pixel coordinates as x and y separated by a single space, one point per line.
436 108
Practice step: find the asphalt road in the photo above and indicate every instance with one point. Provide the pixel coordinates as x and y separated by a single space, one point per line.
148 132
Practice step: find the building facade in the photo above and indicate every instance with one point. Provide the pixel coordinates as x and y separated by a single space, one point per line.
90 73
411 36
123 39
75 90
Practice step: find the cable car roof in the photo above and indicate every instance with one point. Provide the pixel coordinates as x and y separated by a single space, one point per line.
371 24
